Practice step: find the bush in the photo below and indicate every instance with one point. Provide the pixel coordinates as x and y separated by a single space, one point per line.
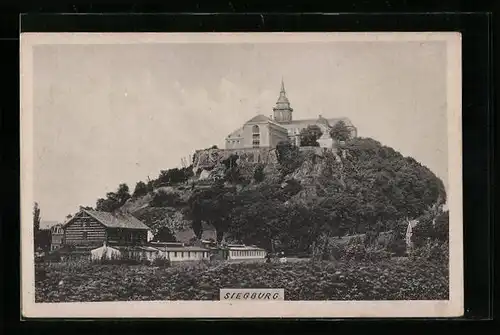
166 199
358 250
433 251
258 174
161 262
324 249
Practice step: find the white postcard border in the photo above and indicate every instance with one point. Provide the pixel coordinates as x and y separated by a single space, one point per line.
224 309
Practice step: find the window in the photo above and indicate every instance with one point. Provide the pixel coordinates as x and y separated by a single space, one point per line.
175 254
84 224
84 235
255 129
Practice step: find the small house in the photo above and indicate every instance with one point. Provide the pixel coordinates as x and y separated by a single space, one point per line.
56 237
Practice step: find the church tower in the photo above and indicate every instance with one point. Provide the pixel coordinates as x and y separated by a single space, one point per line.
282 110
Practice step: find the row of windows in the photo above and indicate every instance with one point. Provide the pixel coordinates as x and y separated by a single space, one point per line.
188 253
233 141
247 253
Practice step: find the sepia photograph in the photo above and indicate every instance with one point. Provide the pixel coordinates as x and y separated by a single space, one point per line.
241 175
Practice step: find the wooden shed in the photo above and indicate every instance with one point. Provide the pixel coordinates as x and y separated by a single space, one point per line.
92 228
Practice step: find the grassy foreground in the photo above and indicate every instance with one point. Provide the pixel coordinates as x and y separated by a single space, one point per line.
385 280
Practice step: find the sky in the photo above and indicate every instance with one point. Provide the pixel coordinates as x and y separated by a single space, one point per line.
108 114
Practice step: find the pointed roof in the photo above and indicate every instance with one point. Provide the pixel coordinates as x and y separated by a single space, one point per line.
283 102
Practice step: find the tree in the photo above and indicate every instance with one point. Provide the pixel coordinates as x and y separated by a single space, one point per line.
36 217
340 131
175 175
309 136
288 156
140 189
123 193
442 227
164 234
113 200
36 225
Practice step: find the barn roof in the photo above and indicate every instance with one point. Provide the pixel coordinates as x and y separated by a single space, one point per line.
116 220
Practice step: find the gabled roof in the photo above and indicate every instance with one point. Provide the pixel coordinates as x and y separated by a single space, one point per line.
46 225
259 118
116 220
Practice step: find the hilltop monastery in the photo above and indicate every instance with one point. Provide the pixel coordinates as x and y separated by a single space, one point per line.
266 132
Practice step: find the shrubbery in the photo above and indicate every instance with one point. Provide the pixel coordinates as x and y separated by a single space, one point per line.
166 199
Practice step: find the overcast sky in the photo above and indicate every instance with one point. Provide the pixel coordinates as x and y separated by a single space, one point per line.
107 114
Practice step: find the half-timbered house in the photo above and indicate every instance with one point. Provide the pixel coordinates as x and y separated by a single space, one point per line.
90 228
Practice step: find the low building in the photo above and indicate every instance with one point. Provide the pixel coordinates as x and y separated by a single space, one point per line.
187 253
134 252
105 252
242 252
139 252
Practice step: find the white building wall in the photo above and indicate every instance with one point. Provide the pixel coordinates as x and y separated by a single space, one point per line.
178 256
247 254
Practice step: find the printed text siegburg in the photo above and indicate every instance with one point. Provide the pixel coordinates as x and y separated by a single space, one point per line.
252 294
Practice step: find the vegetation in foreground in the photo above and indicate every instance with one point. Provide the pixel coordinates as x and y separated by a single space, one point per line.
359 274
385 280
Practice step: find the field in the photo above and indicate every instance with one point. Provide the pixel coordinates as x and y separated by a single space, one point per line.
394 279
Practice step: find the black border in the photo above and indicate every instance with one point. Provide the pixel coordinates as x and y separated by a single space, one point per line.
478 121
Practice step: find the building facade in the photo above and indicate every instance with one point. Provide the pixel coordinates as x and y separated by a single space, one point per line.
56 237
266 132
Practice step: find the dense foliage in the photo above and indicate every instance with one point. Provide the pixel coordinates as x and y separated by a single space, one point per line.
309 136
114 200
174 176
371 189
340 132
382 280
141 189
364 188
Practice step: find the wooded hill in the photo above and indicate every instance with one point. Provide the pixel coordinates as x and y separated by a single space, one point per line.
362 187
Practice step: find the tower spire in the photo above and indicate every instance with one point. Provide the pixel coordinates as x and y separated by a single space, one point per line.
282 110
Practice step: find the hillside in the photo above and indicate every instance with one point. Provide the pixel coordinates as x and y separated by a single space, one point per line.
286 197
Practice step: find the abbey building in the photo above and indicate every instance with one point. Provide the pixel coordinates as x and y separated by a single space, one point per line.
266 132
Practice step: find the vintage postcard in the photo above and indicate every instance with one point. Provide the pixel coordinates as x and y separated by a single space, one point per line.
207 175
